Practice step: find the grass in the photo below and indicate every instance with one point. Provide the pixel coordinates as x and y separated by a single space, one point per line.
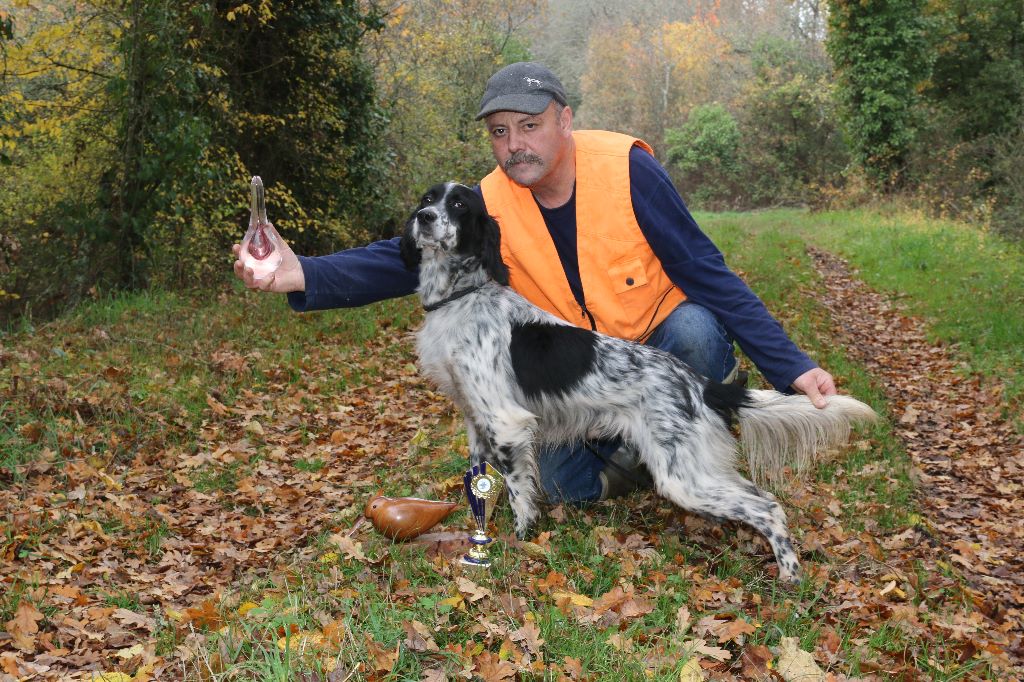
126 375
968 284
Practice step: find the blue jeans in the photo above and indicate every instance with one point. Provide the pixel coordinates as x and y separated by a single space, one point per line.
571 473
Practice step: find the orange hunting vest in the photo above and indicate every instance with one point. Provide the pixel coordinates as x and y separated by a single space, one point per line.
626 289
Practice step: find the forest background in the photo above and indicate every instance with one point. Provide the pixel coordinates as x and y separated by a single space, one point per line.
129 129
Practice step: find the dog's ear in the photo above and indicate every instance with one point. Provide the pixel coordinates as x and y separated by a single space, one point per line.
411 254
490 256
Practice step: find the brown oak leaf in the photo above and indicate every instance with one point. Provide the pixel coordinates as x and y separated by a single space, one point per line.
24 626
491 668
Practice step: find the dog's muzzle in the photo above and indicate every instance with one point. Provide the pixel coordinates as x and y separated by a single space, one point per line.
426 220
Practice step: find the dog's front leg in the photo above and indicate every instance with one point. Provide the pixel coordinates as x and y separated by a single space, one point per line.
504 439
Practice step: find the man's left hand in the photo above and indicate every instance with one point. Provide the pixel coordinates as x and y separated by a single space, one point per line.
816 384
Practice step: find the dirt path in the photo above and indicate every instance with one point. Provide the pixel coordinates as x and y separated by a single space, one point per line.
968 461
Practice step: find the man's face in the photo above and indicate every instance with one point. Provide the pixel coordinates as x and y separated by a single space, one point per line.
528 146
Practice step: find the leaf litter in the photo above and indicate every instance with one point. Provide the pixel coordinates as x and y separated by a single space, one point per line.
125 568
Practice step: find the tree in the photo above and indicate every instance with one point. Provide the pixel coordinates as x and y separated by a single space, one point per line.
432 62
133 126
643 79
978 70
787 112
878 49
299 108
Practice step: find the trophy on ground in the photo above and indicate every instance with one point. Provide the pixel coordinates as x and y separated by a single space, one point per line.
483 486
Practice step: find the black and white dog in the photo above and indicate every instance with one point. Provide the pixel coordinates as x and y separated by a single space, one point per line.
524 378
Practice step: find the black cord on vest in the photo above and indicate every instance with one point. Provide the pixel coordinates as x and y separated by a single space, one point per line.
642 338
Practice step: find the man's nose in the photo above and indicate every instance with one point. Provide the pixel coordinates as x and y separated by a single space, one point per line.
515 142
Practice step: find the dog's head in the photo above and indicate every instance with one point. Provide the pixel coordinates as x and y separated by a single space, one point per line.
452 222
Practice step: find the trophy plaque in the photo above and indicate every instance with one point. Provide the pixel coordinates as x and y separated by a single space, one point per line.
483 486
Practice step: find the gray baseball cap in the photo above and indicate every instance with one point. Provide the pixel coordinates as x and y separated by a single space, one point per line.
526 87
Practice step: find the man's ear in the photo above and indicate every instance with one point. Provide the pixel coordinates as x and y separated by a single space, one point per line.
565 120
490 256
411 254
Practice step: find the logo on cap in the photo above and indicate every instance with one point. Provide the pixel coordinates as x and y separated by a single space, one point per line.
531 81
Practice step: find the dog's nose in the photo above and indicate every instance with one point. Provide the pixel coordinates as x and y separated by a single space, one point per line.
427 215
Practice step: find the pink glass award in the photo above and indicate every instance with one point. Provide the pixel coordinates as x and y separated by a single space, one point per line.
261 248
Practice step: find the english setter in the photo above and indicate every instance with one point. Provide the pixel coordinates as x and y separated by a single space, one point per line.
523 377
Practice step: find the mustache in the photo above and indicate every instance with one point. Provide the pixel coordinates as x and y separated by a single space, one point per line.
522 157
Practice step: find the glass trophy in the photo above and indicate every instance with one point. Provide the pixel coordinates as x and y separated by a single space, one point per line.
261 248
483 486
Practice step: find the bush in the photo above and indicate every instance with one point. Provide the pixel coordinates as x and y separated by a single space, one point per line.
1008 176
791 145
704 154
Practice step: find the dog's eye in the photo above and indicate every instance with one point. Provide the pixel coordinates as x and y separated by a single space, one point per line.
458 204
427 199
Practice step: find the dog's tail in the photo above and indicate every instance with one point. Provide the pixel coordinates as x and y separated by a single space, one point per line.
778 430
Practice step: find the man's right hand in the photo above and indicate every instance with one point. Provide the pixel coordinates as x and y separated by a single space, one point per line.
288 276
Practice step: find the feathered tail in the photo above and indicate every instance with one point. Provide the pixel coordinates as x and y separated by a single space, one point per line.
777 430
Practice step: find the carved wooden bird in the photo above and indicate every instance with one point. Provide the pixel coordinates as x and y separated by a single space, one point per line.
403 518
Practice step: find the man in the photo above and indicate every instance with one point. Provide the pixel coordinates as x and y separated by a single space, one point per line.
593 231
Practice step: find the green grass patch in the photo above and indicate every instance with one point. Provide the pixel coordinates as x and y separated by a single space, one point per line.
967 284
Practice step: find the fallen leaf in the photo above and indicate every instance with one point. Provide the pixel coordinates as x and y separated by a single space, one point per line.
491 668
204 616
573 668
529 637
131 652
24 626
756 662
302 641
351 548
621 643
562 597
470 590
683 621
795 664
9 664
418 636
533 550
692 672
384 659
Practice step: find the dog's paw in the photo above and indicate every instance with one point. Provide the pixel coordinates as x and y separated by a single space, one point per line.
789 576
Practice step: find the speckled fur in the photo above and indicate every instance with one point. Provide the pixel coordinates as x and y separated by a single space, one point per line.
648 397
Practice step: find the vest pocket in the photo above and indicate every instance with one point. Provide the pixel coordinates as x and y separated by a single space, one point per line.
626 275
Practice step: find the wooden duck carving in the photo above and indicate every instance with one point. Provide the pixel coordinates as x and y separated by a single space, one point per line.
403 518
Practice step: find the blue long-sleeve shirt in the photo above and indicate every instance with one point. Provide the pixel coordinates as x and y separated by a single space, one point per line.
367 274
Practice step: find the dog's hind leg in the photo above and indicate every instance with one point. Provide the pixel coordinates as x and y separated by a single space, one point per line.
505 440
697 475
738 500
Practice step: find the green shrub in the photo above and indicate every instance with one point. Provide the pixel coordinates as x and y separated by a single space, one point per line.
705 155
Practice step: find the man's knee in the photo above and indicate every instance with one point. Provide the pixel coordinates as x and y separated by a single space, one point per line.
692 333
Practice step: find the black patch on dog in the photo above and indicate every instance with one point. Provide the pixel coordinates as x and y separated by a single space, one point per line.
550 358
726 400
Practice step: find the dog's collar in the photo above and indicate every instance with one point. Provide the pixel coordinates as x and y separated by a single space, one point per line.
431 307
